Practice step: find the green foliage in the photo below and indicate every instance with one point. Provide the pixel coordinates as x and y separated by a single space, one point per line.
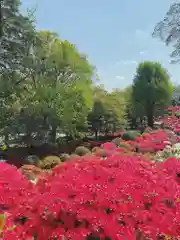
177 114
132 110
56 96
128 136
151 90
168 30
46 85
17 36
108 111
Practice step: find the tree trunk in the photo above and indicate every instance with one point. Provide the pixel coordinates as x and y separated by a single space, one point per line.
150 118
96 134
53 133
150 115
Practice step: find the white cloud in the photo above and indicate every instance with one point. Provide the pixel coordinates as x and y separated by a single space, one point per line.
142 53
120 77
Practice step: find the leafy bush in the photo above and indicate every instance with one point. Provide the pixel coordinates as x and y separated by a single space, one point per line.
128 136
82 151
49 162
168 152
31 172
32 159
177 114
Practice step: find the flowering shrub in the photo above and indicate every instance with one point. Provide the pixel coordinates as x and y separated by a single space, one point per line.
89 199
168 152
31 172
115 193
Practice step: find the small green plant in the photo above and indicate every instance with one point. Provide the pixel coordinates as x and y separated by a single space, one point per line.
49 162
129 136
177 114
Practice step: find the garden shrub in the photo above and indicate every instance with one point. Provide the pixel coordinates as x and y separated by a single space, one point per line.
49 162
74 156
124 144
31 172
32 159
128 136
65 157
81 151
177 114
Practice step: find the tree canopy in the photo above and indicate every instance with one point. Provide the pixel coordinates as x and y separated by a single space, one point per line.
48 87
168 30
151 90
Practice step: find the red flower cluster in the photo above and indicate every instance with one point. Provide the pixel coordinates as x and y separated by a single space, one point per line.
90 199
152 142
149 142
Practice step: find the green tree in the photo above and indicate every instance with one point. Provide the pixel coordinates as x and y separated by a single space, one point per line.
96 117
176 96
151 89
57 92
108 112
17 36
130 112
168 30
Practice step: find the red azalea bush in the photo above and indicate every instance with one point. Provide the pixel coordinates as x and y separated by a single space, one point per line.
147 143
90 199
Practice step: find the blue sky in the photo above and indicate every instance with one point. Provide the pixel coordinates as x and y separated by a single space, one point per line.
116 34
